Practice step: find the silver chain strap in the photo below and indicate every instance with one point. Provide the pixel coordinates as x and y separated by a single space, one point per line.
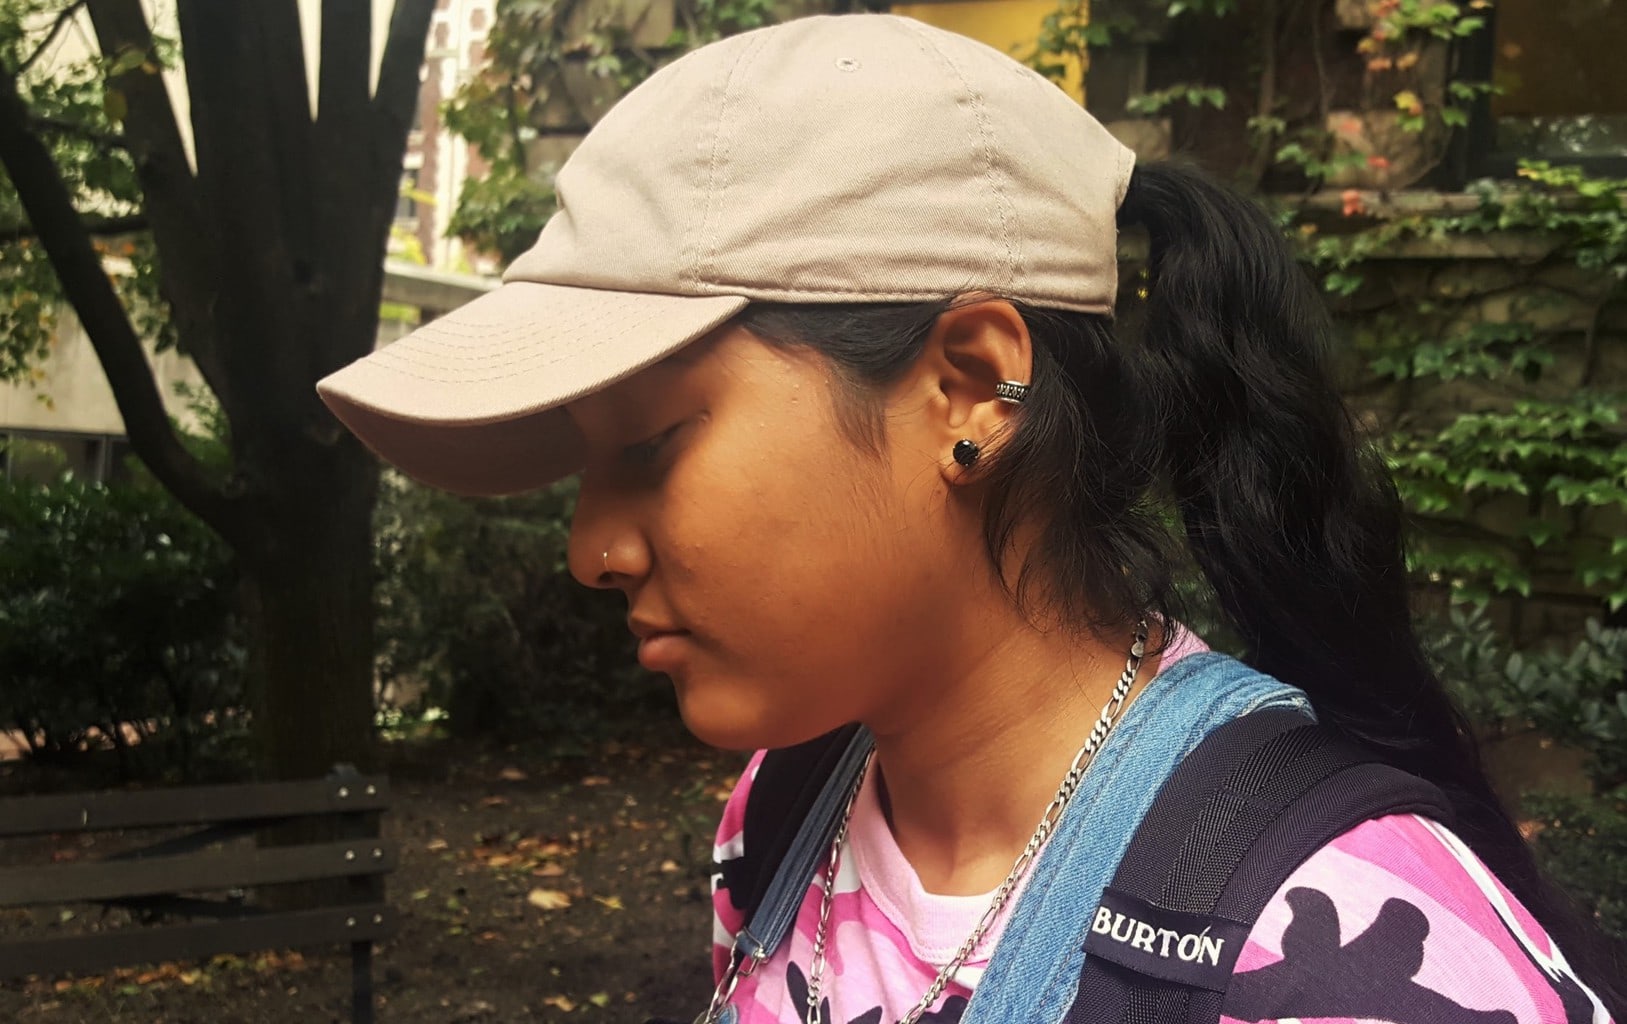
1053 813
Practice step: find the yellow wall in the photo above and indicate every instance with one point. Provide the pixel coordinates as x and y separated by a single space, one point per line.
1010 26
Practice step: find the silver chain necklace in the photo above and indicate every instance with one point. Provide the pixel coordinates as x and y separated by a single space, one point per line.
1059 803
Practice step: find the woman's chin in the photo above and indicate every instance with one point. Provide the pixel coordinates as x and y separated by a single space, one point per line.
723 731
725 724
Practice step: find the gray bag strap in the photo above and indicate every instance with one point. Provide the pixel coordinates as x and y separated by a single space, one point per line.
771 915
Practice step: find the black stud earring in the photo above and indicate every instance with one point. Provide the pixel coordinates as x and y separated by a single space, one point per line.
966 452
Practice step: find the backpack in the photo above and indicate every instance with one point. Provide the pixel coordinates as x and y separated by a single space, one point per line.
1244 808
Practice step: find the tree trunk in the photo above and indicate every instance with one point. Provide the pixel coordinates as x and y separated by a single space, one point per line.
310 619
271 243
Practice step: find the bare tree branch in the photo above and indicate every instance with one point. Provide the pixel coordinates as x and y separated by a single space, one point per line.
50 209
94 227
169 191
347 34
63 17
396 99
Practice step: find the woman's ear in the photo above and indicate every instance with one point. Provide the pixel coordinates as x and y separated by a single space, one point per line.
972 347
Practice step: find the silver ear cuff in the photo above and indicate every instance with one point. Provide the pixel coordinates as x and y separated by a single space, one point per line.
1011 391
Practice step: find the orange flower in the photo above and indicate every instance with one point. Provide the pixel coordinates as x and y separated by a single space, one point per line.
1352 202
1378 163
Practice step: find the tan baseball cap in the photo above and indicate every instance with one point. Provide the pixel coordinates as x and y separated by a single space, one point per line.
852 158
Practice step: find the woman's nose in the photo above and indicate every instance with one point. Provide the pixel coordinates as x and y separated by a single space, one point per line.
606 550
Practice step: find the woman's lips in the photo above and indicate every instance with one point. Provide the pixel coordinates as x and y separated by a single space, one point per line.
662 651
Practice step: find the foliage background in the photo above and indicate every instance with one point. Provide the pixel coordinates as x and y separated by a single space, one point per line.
1502 424
118 623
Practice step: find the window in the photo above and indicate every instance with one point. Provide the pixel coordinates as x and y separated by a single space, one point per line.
1562 94
44 456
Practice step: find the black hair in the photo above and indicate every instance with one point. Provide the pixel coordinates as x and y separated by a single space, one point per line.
1220 414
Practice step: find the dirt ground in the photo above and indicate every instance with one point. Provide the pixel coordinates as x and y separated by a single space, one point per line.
530 888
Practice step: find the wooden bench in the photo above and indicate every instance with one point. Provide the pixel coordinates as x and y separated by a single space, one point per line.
192 885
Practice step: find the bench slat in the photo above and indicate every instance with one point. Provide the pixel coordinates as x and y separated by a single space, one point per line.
191 805
158 943
197 872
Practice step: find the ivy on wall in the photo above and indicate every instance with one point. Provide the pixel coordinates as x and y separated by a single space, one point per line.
1512 459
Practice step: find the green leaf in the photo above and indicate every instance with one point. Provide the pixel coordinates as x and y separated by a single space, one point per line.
1494 479
128 59
115 106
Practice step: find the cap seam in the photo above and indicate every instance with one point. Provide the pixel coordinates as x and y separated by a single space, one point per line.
690 260
1126 166
706 255
985 136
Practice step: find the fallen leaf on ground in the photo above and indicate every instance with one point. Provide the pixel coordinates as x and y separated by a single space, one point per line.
512 774
494 801
610 902
560 1003
596 780
548 871
548 899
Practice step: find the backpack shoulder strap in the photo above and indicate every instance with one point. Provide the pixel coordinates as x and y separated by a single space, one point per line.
1245 808
792 813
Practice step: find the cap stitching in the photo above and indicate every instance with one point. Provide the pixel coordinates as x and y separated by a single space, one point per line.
985 134
1126 165
691 259
524 353
496 336
550 359
706 254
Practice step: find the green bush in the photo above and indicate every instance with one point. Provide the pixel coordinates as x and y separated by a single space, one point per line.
1576 697
116 617
478 615
1582 844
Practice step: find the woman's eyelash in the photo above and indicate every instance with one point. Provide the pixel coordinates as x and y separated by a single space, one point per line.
647 451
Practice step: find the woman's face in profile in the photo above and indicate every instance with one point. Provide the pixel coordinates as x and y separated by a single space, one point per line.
785 578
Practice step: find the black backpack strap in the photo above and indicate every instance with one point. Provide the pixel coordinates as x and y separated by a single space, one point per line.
1245 808
792 813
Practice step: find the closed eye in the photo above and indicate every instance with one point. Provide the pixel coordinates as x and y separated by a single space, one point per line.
648 451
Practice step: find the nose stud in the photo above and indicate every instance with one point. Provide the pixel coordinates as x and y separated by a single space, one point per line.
605 561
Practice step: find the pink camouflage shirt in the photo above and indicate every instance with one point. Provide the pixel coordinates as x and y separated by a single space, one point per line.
1394 921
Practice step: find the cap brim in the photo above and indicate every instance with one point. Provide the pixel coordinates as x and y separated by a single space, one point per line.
470 402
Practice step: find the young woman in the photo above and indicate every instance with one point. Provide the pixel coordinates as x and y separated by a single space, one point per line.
825 323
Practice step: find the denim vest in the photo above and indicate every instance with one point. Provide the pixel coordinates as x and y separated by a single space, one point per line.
1034 972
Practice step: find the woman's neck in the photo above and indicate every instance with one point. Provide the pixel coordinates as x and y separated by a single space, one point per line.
966 772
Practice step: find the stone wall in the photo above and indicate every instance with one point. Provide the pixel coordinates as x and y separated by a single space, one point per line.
1578 317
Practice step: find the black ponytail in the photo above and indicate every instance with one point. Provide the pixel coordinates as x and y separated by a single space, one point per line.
1297 527
1220 413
